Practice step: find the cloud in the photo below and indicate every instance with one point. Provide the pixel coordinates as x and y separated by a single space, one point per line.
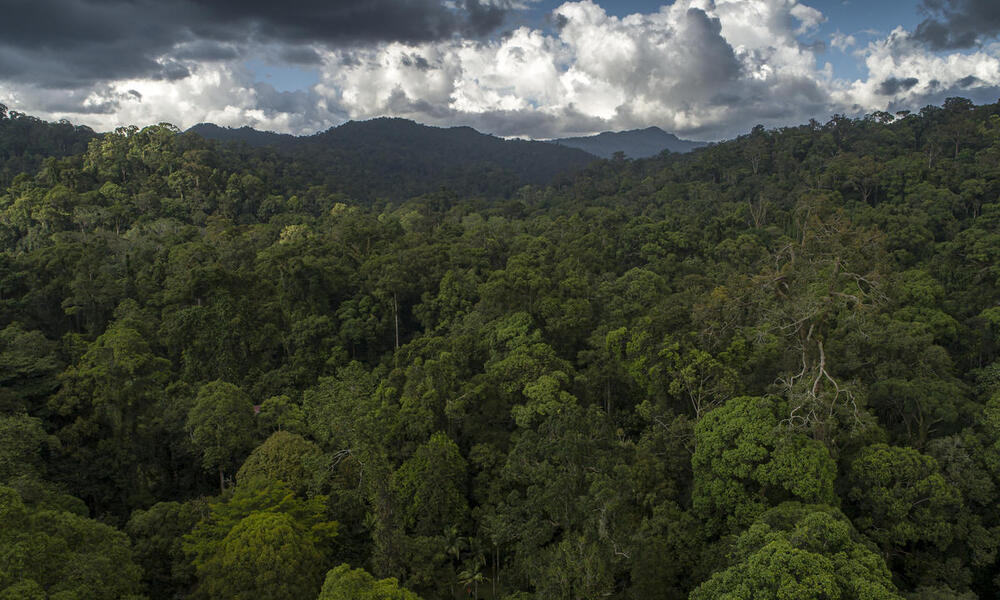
689 67
77 43
893 86
903 72
73 43
956 24
221 93
842 42
703 69
809 17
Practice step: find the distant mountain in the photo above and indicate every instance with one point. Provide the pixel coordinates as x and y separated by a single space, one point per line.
397 158
637 143
247 135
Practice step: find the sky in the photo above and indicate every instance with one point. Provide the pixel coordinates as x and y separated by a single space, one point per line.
703 69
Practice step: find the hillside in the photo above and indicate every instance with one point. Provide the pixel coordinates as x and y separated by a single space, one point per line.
637 143
25 141
245 135
766 369
397 159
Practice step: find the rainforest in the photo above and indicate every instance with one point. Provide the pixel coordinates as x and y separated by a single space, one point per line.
394 362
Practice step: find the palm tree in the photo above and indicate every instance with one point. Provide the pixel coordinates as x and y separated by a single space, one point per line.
472 575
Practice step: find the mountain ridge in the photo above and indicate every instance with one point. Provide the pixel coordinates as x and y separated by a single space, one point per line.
634 143
395 158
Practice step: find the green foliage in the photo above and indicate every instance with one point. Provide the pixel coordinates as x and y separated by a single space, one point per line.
803 552
431 487
28 368
606 385
901 498
157 542
266 555
50 553
22 442
746 460
108 407
345 583
221 425
261 541
283 457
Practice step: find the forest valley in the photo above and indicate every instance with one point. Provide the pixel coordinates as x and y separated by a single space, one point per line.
766 369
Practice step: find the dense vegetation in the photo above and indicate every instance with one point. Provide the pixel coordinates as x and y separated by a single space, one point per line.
768 369
25 141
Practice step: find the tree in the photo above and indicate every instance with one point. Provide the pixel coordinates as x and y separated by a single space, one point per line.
28 368
157 541
899 499
805 552
282 457
22 441
279 413
263 541
51 553
746 461
221 426
345 583
107 410
430 486
266 555
959 125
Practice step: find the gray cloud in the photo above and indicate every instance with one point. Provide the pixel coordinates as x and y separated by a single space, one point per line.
206 50
969 81
893 85
300 56
351 21
66 44
955 24
980 95
705 73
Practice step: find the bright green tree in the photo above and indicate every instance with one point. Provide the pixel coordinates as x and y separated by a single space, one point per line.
746 461
801 552
282 457
345 583
261 540
266 555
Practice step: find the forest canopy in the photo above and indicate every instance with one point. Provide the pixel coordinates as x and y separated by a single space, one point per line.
769 368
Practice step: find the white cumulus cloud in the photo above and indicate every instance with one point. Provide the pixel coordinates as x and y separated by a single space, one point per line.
704 69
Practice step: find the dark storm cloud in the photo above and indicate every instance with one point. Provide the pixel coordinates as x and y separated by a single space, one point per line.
75 43
350 21
72 43
955 24
206 50
893 86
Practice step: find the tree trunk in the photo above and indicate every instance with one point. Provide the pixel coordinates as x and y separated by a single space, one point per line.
395 317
